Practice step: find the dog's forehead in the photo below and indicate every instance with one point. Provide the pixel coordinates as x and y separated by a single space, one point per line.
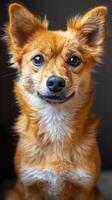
51 40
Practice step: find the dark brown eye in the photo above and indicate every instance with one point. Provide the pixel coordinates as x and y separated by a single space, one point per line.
74 61
38 60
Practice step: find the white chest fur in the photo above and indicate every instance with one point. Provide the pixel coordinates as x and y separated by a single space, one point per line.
55 180
57 122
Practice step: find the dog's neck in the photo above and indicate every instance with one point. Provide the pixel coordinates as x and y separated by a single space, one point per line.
54 134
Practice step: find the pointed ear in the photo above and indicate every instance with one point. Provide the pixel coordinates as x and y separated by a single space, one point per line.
91 28
22 24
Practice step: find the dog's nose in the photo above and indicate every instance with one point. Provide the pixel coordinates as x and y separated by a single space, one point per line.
55 83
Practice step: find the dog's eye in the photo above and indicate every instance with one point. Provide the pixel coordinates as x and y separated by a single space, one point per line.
74 61
38 60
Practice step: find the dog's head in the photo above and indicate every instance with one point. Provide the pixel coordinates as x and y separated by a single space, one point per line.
56 65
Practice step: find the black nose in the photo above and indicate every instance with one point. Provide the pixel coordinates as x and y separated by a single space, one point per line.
55 83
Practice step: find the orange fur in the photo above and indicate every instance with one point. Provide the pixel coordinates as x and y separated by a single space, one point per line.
73 154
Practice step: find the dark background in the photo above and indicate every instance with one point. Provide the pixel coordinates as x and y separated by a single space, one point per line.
57 13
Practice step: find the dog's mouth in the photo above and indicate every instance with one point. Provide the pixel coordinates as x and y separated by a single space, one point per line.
55 98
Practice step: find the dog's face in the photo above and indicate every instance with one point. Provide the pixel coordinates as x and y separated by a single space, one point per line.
56 65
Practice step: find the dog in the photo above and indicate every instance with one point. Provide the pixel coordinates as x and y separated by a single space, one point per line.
57 156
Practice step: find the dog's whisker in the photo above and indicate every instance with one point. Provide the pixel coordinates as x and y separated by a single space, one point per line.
7 75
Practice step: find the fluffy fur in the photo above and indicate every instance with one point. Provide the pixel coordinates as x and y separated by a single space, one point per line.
57 156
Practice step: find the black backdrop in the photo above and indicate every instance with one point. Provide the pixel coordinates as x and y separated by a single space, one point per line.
57 12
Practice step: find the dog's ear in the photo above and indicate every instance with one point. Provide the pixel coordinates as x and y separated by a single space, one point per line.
91 27
22 24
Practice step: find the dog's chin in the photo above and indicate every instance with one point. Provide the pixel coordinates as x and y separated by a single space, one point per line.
54 99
